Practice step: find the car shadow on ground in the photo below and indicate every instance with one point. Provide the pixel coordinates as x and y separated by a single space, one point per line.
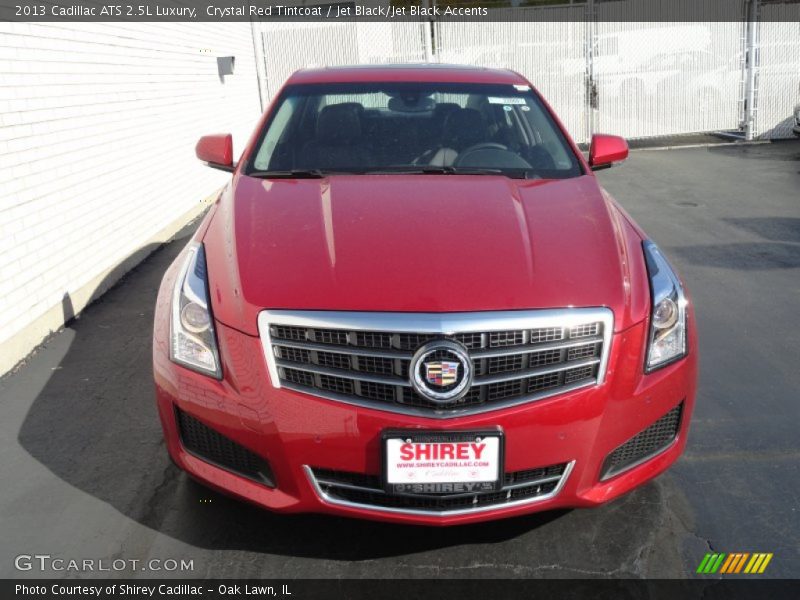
778 246
95 426
778 249
775 229
754 256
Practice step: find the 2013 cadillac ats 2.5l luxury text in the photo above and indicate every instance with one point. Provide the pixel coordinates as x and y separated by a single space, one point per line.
413 302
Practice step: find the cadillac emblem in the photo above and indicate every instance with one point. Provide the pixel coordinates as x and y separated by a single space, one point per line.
441 371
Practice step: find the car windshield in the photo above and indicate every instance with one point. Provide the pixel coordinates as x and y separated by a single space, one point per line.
435 128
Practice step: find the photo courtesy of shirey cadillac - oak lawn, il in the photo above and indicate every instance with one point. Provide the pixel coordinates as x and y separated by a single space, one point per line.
413 302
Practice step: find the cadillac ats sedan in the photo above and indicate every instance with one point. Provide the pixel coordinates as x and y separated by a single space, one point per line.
413 302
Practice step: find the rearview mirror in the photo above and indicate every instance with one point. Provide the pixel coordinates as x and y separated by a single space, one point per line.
216 151
606 150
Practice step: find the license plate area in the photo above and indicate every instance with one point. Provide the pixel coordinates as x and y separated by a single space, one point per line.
442 462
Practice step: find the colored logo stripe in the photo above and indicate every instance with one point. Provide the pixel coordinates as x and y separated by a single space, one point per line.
728 562
710 563
735 562
758 563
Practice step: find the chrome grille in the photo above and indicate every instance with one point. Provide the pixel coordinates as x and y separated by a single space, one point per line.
498 339
547 334
333 360
299 377
365 491
584 330
375 364
363 358
543 382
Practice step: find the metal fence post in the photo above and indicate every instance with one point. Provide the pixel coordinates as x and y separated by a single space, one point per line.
591 84
261 63
751 81
427 32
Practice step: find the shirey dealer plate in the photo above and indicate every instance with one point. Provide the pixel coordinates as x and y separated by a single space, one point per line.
449 462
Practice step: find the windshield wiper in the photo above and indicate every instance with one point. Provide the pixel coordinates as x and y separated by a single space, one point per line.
515 173
462 170
289 174
435 170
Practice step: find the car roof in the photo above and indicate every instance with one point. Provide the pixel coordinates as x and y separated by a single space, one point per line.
427 72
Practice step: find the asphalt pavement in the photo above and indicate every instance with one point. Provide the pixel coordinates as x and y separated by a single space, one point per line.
85 474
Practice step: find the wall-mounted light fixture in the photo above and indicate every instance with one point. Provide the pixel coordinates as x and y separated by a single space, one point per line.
225 65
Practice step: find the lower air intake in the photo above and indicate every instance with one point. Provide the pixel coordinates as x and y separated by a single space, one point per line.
358 489
645 444
213 447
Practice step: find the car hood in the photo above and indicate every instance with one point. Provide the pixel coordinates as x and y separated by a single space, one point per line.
427 243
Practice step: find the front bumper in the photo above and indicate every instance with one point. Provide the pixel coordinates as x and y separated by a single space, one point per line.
295 432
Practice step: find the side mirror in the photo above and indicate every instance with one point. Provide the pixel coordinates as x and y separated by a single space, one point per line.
606 150
216 151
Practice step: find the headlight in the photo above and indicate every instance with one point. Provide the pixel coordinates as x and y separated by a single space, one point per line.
193 342
667 341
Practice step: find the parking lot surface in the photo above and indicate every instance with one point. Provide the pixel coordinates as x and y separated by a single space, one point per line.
85 473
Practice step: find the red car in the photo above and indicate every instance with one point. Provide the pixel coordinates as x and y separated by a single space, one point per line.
413 302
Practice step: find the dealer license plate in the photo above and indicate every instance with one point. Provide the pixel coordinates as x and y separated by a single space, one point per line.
442 462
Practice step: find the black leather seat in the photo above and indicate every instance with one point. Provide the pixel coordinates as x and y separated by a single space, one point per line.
433 133
462 128
338 143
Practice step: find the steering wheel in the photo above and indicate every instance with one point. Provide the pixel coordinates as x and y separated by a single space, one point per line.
476 148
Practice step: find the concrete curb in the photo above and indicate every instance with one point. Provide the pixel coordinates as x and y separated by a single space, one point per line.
704 145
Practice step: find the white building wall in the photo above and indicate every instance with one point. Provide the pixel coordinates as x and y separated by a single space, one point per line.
98 124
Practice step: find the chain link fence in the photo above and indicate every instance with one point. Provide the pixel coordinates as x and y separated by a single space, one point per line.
287 47
601 66
778 70
550 52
